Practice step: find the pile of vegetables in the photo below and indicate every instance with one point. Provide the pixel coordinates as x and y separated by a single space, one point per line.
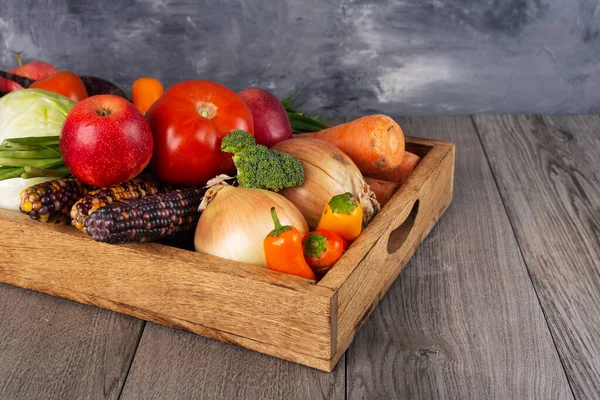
235 220
253 178
30 125
328 172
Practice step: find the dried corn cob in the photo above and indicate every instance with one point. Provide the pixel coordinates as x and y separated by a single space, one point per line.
52 201
134 189
151 218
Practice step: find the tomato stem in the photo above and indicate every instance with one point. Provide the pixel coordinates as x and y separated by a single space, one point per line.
315 245
207 110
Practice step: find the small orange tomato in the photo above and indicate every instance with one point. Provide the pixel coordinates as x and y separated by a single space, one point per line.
322 249
145 92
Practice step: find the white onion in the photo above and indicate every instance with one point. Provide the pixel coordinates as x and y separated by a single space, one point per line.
328 172
235 222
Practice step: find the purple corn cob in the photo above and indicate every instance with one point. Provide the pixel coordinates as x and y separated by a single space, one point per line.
151 218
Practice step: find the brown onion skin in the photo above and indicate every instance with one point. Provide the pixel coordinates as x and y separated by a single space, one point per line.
328 171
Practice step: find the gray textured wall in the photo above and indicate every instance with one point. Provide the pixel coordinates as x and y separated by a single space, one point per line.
349 57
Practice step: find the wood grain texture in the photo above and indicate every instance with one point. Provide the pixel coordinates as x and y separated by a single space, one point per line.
52 348
462 320
548 171
175 365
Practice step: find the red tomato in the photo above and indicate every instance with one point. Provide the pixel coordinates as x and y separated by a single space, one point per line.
64 82
322 249
188 123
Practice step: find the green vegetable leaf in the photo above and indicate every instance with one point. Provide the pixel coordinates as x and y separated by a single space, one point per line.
32 172
33 162
21 154
8 173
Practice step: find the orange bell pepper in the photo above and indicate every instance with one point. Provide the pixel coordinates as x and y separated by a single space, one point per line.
283 249
342 215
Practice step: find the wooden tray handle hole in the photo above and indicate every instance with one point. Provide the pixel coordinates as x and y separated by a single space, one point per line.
398 236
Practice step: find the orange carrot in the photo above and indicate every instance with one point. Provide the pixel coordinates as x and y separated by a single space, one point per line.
384 190
146 91
401 173
375 143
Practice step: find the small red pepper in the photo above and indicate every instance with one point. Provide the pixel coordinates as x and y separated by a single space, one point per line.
283 249
322 249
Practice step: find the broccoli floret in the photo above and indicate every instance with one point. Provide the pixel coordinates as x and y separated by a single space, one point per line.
237 141
259 167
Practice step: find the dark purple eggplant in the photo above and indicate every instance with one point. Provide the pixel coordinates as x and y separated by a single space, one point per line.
21 80
95 85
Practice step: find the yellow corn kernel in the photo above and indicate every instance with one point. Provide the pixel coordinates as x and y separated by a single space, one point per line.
27 206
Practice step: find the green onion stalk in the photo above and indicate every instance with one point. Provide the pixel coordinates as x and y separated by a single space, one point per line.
301 123
31 157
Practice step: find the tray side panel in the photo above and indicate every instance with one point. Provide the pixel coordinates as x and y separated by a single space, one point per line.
409 221
166 290
323 364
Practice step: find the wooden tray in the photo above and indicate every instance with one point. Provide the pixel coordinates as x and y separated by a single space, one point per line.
263 310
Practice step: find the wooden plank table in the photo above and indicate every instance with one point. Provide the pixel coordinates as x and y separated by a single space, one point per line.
502 300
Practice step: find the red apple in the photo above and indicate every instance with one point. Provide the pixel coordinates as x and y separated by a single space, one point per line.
105 141
271 122
35 70
8 86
